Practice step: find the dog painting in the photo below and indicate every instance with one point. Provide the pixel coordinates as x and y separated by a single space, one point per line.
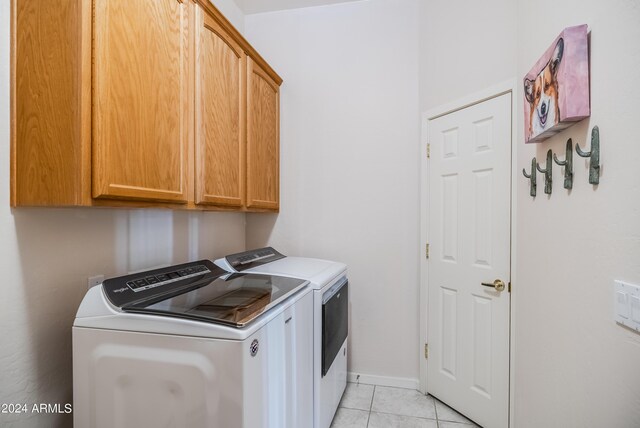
556 90
542 94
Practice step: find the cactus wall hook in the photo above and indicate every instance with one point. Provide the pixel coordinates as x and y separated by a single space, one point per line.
594 154
568 165
532 178
548 173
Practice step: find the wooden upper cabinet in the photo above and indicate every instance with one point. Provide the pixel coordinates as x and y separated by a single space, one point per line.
140 103
140 100
263 139
220 115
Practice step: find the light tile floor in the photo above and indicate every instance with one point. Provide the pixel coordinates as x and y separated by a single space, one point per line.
369 406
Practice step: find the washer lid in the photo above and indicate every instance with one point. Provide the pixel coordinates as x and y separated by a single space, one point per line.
200 291
234 300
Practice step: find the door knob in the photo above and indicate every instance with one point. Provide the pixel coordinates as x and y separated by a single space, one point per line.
498 284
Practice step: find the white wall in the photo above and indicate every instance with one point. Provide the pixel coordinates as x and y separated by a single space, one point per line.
574 366
46 256
259 6
465 46
230 9
350 160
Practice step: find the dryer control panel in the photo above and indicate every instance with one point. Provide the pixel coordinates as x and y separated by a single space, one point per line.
253 258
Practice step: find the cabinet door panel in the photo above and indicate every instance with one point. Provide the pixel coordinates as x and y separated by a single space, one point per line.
48 153
263 139
220 116
140 103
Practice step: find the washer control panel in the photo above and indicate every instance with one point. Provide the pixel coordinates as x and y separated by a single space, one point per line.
125 291
150 281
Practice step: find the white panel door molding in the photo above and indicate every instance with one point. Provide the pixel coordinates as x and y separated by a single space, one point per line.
469 214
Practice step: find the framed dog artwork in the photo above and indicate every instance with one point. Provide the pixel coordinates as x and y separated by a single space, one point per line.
556 90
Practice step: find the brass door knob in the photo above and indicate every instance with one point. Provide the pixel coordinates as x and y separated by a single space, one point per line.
498 284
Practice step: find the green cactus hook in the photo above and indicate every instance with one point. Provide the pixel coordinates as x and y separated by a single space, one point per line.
532 178
594 154
568 165
548 173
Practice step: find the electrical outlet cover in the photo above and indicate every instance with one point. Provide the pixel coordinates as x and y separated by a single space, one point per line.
627 305
92 281
634 302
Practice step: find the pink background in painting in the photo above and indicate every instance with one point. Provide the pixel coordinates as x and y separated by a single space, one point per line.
573 81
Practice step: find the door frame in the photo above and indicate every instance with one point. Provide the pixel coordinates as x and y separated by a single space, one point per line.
506 87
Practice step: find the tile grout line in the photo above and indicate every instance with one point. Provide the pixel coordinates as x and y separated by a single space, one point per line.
371 405
468 421
372 395
412 416
435 409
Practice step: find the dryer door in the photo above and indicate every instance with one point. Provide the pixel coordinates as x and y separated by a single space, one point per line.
335 317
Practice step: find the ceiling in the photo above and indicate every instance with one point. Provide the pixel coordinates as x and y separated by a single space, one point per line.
259 6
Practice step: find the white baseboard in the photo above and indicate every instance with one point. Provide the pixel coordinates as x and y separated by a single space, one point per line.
398 382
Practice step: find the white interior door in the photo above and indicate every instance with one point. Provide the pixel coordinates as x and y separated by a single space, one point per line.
469 236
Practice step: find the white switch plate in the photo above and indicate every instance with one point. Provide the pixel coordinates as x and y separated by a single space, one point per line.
95 280
626 305
634 303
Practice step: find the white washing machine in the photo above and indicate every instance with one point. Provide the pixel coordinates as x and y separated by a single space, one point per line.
330 318
192 346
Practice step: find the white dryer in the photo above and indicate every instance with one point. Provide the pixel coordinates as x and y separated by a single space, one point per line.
330 318
192 346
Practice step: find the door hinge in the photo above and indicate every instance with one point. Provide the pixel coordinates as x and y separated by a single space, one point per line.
426 250
428 150
426 351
